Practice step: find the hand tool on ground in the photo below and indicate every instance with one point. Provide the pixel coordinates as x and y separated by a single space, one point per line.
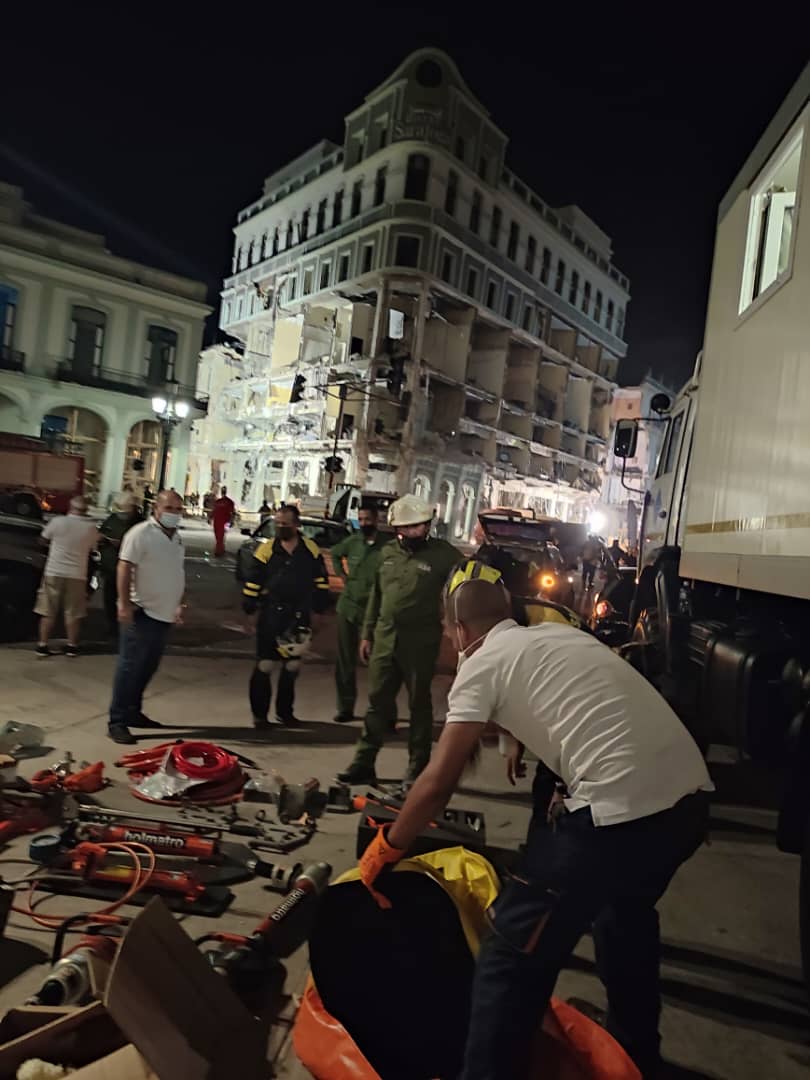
247 960
460 822
89 779
69 980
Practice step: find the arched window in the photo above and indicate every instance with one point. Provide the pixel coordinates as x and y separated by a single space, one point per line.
466 512
417 176
421 487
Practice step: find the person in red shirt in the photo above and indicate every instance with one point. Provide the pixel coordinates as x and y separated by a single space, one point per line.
221 516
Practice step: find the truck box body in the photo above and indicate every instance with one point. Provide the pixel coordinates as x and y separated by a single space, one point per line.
747 502
26 464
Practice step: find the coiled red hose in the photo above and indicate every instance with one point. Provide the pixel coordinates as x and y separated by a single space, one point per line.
220 776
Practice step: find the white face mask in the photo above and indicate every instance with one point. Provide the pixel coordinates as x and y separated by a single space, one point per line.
169 520
464 650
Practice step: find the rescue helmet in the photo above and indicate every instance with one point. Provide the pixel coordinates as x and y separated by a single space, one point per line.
410 510
294 643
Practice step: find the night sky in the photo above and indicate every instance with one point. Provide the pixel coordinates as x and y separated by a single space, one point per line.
155 128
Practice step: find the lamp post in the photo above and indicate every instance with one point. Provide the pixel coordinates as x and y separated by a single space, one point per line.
168 413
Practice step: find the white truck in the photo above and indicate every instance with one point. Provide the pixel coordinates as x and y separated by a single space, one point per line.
721 614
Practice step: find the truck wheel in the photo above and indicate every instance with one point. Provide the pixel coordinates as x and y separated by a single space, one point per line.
804 909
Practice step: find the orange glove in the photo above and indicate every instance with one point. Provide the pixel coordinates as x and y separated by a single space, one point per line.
373 860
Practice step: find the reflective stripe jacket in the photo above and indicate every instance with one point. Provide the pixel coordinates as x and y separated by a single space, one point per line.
286 582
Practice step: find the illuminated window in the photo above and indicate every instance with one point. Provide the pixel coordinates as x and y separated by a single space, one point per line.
771 218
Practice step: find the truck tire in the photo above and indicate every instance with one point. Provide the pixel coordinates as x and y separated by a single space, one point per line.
18 591
804 908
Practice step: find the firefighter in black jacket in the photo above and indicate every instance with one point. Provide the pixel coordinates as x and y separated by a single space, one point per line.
287 583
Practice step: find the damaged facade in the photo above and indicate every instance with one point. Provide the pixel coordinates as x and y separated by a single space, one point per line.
478 330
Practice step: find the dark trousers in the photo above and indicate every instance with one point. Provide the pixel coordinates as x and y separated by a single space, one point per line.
348 642
260 689
140 650
578 876
588 571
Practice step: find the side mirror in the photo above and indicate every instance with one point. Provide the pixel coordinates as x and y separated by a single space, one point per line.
246 532
625 438
660 403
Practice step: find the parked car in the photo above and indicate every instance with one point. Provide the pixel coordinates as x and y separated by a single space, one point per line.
532 566
323 531
610 616
22 560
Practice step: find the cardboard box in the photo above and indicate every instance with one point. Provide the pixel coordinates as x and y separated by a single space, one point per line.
164 1015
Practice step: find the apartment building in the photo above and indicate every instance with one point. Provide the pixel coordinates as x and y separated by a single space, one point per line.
476 329
88 339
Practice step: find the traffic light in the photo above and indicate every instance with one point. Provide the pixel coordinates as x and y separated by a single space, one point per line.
396 375
297 391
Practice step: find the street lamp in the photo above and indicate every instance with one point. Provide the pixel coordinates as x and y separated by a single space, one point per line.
168 413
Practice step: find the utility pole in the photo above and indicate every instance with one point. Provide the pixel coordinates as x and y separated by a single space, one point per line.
344 389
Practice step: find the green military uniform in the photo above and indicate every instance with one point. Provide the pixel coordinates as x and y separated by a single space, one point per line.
362 556
403 618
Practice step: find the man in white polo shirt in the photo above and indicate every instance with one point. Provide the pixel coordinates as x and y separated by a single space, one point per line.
151 582
635 807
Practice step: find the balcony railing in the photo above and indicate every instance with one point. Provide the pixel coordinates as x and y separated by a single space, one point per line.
11 359
125 382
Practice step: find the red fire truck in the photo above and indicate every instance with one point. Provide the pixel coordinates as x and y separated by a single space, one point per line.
36 476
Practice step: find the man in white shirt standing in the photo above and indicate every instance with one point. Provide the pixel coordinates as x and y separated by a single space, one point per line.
635 807
151 582
64 582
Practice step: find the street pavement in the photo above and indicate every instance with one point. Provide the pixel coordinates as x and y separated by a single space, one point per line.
734 1005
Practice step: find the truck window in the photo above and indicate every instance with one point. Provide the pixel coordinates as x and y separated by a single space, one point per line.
669 454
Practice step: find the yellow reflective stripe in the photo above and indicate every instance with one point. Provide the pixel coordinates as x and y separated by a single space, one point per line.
311 547
322 585
264 551
251 588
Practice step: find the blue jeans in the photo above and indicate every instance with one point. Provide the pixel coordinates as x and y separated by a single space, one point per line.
578 876
140 650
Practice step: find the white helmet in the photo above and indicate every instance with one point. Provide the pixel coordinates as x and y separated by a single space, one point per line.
294 643
409 510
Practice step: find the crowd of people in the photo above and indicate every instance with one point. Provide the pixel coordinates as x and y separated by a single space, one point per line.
620 795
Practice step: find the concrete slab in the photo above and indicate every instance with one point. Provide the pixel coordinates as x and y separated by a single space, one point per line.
734 1003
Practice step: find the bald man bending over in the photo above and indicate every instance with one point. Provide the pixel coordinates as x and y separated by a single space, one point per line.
151 582
635 807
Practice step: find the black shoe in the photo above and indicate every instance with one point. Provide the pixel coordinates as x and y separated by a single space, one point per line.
358 774
42 651
120 733
289 721
71 650
144 722
343 717
261 723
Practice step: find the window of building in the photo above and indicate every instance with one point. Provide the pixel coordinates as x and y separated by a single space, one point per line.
509 310
586 298
492 295
238 307
475 212
263 247
451 195
483 168
573 288
609 317
289 241
512 244
545 269
382 133
368 257
407 251
307 282
226 312
448 268
8 314
320 217
251 304
379 185
161 355
531 254
292 287
597 308
495 226
275 240
237 255
461 148
528 317
343 267
356 147
337 208
303 231
326 269
417 175
472 282
620 322
560 279
771 221
86 343
357 197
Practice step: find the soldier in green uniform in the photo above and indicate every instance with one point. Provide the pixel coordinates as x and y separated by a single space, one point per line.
401 635
361 551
